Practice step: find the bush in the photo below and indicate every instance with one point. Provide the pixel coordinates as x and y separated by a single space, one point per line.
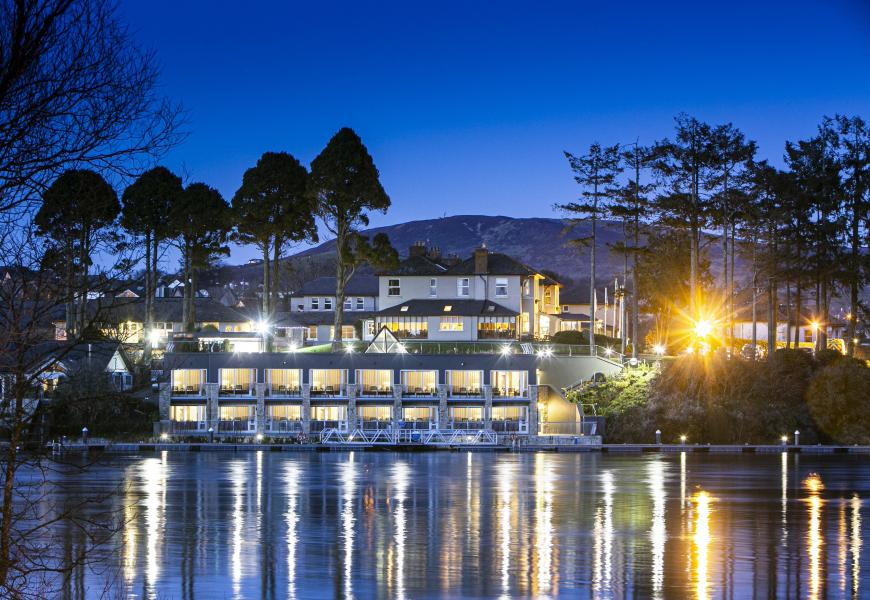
622 401
839 400
570 337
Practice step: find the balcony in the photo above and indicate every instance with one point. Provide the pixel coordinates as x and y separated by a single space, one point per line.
510 426
509 393
489 334
237 390
283 391
185 427
237 426
385 391
328 391
375 425
189 390
419 392
466 425
419 425
318 426
466 392
284 426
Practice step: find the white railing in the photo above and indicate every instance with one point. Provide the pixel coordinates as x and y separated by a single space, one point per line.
433 437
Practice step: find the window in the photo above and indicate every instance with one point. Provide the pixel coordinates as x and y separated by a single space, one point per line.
348 303
188 413
187 381
450 324
312 332
360 303
315 304
462 286
507 384
464 383
433 287
237 381
419 383
327 382
406 327
393 287
284 381
375 382
404 309
327 304
501 287
527 287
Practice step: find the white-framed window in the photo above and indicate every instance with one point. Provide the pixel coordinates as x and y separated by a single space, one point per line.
501 287
393 287
527 287
348 303
315 304
463 285
327 304
312 332
450 324
360 303
433 287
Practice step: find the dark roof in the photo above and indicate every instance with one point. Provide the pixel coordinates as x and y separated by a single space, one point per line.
323 317
459 308
96 354
417 265
359 285
576 294
573 317
117 310
497 264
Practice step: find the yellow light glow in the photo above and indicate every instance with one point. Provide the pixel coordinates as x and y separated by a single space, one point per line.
703 328
814 325
659 349
702 539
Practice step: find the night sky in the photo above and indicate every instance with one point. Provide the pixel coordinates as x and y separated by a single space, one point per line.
467 110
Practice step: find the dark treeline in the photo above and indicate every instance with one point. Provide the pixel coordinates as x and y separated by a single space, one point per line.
803 229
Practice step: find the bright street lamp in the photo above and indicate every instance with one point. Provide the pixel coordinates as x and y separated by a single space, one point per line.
703 328
659 349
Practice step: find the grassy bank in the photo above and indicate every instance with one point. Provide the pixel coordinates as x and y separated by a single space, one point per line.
720 401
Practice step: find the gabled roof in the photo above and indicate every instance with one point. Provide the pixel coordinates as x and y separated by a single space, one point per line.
497 264
417 265
438 308
69 356
119 310
384 342
359 285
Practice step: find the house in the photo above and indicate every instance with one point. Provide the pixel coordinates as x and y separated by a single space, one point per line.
786 327
311 316
124 319
576 308
52 362
487 296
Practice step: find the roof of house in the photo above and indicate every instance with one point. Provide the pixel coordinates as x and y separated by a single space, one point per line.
459 308
417 265
572 317
497 264
324 317
96 354
359 285
118 310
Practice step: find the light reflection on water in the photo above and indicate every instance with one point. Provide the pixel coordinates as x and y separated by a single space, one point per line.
439 525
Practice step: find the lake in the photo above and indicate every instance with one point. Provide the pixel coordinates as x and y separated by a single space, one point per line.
475 525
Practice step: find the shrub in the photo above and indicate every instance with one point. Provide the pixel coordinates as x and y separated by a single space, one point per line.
622 401
570 337
838 398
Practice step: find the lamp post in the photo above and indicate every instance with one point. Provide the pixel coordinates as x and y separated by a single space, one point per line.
211 435
85 436
797 437
659 437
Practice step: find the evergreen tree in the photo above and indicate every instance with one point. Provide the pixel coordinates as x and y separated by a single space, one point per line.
76 214
596 173
270 210
344 185
147 202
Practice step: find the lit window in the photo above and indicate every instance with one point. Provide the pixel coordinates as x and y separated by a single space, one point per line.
433 287
404 309
393 287
462 286
501 287
450 324
448 308
315 304
312 332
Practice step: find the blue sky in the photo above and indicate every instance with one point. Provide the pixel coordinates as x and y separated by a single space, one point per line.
466 107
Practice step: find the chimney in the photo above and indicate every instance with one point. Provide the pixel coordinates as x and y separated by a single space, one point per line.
481 260
451 259
417 249
434 253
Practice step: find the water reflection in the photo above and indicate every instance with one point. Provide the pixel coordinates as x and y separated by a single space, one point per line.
814 486
701 543
445 525
658 535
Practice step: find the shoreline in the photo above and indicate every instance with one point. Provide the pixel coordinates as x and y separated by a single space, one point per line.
143 447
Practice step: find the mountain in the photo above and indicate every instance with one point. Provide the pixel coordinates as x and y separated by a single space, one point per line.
541 243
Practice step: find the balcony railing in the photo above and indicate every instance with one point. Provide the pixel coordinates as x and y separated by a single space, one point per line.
509 393
419 425
466 392
510 426
284 426
318 426
187 426
483 334
466 424
377 392
237 426
418 392
283 391
237 390
189 390
328 391
374 425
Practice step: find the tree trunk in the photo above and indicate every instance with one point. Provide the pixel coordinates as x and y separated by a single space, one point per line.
788 315
592 307
798 313
276 274
185 299
754 299
267 286
149 312
340 274
771 318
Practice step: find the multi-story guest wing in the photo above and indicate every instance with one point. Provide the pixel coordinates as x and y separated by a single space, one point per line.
287 393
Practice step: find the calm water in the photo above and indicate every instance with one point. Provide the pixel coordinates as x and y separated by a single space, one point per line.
477 525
